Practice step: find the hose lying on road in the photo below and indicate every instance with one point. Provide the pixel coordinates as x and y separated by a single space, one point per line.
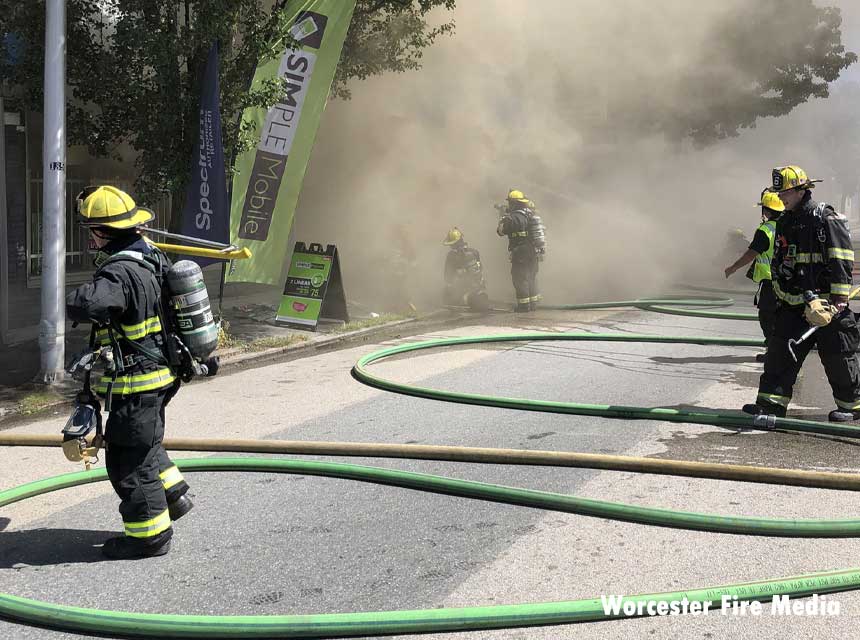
430 620
662 305
736 419
475 618
485 455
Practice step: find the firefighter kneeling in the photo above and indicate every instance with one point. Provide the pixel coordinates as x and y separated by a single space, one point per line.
813 256
464 276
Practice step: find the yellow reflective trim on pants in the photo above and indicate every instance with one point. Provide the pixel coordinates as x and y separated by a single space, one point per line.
782 401
523 300
171 476
124 385
850 406
148 528
840 289
840 254
536 298
519 234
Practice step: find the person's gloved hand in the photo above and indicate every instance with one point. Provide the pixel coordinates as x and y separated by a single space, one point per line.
819 312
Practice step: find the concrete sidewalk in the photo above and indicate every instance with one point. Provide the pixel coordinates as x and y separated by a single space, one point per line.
252 337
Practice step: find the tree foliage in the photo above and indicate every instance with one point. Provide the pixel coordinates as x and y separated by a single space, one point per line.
757 59
133 67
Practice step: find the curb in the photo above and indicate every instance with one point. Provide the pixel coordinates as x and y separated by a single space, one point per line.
243 360
249 360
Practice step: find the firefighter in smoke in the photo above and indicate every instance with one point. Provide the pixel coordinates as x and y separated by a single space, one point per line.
526 247
464 276
123 302
760 253
811 270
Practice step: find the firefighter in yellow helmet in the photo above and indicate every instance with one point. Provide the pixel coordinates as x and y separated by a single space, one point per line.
758 255
123 303
811 270
464 275
518 223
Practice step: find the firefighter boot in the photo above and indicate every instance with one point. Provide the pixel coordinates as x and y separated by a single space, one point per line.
839 415
130 548
759 410
179 507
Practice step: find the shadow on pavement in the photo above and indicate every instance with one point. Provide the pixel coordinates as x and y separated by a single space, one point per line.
39 547
705 359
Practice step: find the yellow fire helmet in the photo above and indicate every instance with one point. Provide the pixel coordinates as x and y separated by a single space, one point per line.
454 236
107 206
791 177
517 196
770 200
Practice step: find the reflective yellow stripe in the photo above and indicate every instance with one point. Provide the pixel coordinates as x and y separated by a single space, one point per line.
519 234
788 298
807 258
139 383
840 254
782 401
523 300
761 269
148 528
137 331
170 477
850 406
132 331
840 289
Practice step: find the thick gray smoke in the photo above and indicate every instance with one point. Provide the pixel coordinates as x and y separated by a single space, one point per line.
514 99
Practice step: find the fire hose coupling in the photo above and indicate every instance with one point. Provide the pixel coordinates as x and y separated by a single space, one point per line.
765 421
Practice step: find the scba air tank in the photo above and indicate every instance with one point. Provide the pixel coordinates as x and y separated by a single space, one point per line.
189 301
537 234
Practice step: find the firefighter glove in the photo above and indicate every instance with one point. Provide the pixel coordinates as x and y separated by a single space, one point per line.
819 312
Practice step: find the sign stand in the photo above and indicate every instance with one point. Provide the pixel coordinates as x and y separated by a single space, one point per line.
314 288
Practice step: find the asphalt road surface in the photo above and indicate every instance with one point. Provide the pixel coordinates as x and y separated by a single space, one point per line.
274 544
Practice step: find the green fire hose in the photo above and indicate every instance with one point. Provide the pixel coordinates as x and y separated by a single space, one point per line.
475 618
430 620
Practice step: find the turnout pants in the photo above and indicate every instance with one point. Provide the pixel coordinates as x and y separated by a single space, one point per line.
766 302
524 269
142 474
837 342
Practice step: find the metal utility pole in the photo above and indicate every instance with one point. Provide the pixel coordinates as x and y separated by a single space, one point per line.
4 237
52 327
